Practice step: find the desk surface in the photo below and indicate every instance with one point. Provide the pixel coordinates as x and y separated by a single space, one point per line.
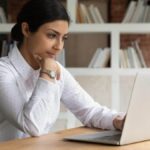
54 141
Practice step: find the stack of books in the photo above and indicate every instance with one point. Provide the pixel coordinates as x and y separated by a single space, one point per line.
100 58
89 14
137 11
132 57
6 45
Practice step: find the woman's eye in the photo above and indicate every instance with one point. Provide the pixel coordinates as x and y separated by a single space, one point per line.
65 38
52 36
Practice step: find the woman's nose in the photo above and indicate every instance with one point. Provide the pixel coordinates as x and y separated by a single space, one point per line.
59 44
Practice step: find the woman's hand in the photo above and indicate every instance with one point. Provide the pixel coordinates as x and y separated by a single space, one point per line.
48 64
118 121
51 64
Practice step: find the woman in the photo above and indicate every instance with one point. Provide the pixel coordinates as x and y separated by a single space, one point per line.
33 83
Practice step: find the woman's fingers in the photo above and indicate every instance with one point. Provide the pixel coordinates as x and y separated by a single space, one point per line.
118 122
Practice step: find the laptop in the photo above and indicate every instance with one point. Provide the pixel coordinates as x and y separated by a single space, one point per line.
137 123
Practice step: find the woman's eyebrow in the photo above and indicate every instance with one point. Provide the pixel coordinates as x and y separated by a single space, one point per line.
58 33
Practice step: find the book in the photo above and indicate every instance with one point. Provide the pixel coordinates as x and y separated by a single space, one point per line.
84 13
146 13
122 59
135 59
78 15
5 48
94 58
126 58
72 9
2 16
130 11
130 58
7 45
98 15
139 11
103 58
92 12
140 55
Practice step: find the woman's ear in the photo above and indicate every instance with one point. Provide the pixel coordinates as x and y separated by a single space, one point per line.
25 29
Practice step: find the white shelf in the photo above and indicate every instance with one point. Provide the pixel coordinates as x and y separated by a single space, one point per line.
94 28
90 71
5 27
110 27
106 71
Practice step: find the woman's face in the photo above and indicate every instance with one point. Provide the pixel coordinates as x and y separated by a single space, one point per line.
47 41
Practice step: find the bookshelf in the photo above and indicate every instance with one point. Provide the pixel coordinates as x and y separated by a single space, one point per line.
112 75
115 30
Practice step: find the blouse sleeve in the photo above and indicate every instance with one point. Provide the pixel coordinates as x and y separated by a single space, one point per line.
31 116
80 103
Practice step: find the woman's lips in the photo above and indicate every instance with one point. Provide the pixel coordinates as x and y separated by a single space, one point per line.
51 55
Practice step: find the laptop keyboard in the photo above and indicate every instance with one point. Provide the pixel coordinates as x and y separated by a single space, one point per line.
104 137
115 137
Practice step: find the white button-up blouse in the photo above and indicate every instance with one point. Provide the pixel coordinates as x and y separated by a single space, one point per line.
29 105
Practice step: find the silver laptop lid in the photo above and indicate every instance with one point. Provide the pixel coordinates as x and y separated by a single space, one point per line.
137 123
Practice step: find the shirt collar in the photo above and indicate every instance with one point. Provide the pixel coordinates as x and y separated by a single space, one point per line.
21 65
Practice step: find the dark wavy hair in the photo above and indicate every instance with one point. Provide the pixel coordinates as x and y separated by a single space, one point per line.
36 13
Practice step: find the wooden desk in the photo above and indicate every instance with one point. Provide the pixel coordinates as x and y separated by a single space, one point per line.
54 141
